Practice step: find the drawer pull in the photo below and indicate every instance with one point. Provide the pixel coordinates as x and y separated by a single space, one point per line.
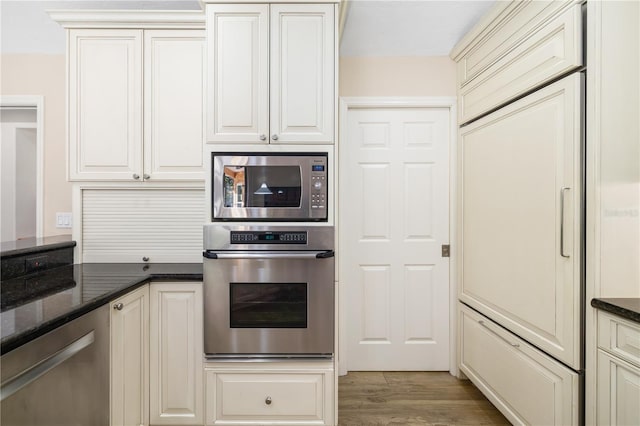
268 400
515 345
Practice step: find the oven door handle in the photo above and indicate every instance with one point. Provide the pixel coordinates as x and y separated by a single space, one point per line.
209 254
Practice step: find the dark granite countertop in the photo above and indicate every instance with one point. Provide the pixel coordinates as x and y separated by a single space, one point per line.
34 245
628 308
36 304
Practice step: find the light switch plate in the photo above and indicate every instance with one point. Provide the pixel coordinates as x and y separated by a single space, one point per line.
64 220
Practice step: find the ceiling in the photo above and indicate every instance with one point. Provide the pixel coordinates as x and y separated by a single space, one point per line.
372 27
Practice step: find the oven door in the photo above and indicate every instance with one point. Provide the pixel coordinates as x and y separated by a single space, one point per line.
259 303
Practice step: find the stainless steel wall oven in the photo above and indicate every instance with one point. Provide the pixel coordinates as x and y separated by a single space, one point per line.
269 186
268 291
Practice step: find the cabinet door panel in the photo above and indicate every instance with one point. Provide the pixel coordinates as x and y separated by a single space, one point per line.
302 73
521 201
618 391
130 359
238 74
176 370
105 104
174 104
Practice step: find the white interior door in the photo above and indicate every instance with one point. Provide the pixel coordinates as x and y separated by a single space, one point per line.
394 217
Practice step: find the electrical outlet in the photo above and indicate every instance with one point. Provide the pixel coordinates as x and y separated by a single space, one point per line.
64 220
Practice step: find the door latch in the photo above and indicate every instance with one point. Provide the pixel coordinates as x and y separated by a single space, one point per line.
445 250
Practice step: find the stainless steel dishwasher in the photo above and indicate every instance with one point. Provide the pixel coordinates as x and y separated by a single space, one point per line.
60 378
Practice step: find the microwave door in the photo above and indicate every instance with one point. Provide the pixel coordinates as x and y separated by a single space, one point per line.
274 187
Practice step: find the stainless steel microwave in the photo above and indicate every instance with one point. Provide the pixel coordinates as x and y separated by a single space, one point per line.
269 186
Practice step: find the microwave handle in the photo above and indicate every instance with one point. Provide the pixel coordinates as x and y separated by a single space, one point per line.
269 254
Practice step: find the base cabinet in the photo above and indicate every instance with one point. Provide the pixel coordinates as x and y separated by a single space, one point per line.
292 393
156 356
618 377
129 320
176 355
526 385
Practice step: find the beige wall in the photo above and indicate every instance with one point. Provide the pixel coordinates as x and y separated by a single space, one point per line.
397 76
44 75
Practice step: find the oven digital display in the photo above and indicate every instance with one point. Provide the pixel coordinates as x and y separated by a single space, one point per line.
317 168
268 237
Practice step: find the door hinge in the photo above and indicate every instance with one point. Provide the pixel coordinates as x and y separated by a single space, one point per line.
445 250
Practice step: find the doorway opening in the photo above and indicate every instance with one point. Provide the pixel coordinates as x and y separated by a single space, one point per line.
21 165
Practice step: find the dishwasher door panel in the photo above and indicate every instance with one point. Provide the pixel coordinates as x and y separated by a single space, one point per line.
60 378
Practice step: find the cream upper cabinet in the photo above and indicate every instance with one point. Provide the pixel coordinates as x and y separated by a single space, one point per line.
238 73
271 73
130 358
302 73
174 104
136 106
105 104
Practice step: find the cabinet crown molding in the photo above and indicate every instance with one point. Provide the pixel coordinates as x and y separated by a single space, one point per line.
147 19
525 12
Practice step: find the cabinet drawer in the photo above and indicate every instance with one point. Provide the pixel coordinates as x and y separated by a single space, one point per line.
255 398
619 337
546 53
526 385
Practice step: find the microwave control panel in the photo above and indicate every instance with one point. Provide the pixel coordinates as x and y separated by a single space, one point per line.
318 191
268 237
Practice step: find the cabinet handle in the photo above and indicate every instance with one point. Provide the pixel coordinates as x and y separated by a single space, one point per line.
118 306
274 137
136 176
268 400
562 192
515 345
146 176
145 259
263 137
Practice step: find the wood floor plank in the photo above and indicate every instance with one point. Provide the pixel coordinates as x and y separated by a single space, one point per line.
412 398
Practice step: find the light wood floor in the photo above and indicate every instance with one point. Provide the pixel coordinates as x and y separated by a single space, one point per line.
412 398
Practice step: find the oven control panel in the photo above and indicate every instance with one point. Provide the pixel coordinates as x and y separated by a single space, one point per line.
268 237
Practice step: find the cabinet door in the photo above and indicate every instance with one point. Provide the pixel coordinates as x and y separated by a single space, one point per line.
618 391
302 73
105 104
130 359
176 361
238 73
521 218
174 104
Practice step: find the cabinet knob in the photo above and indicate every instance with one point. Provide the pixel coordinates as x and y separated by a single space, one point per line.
268 400
146 176
145 259
118 306
263 137
274 137
136 176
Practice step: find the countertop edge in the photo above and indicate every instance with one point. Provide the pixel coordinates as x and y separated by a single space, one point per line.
15 341
614 306
37 249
